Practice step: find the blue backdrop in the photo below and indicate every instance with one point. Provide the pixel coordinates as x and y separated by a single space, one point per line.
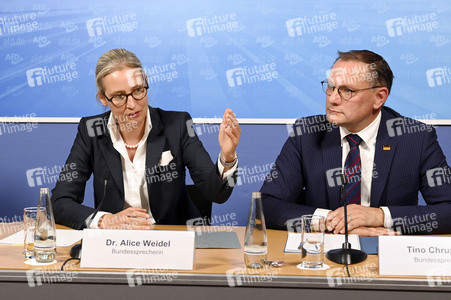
264 59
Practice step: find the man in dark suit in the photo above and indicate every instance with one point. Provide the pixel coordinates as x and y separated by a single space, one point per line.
137 155
386 158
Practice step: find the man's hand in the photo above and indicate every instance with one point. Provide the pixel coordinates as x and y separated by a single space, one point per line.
373 231
130 218
358 216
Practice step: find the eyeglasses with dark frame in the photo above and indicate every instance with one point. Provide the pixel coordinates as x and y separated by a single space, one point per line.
121 99
344 92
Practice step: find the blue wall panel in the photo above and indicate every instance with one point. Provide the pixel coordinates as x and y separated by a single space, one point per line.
47 146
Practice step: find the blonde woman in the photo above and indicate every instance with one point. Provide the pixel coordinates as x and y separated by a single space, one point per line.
137 155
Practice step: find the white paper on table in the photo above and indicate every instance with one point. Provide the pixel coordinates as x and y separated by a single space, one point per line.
64 238
331 241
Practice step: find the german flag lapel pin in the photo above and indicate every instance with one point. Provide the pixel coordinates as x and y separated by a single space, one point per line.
386 148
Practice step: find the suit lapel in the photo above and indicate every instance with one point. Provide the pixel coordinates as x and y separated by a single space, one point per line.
155 141
155 147
382 160
112 157
331 149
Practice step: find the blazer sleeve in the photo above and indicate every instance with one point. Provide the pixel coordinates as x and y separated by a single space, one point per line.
68 195
202 170
282 191
435 186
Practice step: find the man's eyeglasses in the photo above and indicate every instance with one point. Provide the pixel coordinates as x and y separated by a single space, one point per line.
344 92
137 94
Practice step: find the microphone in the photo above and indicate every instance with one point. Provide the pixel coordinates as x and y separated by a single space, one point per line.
106 178
75 251
346 255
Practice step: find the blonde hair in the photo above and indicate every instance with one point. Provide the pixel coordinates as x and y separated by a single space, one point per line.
115 60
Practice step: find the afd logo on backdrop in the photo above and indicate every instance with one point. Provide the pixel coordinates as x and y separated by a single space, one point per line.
438 76
111 24
408 25
311 25
210 25
51 74
248 75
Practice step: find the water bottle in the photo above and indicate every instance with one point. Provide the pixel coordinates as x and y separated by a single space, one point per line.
45 232
255 240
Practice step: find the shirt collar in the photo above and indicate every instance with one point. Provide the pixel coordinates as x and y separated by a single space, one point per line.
367 134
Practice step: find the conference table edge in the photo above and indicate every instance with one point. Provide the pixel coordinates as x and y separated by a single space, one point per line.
310 282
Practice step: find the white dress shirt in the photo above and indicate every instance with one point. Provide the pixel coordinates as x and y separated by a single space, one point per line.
367 149
133 172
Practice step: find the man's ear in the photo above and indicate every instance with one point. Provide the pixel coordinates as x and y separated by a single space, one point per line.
381 96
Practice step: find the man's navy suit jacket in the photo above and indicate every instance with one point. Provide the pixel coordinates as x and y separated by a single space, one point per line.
407 160
93 153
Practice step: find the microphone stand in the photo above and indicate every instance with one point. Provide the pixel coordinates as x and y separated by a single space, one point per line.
75 251
346 255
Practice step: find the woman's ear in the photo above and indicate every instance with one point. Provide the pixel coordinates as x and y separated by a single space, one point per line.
102 99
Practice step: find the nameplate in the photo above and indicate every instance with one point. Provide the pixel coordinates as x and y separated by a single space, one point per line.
143 249
415 255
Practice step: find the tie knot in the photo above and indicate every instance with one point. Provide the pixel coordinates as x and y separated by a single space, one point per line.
354 140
